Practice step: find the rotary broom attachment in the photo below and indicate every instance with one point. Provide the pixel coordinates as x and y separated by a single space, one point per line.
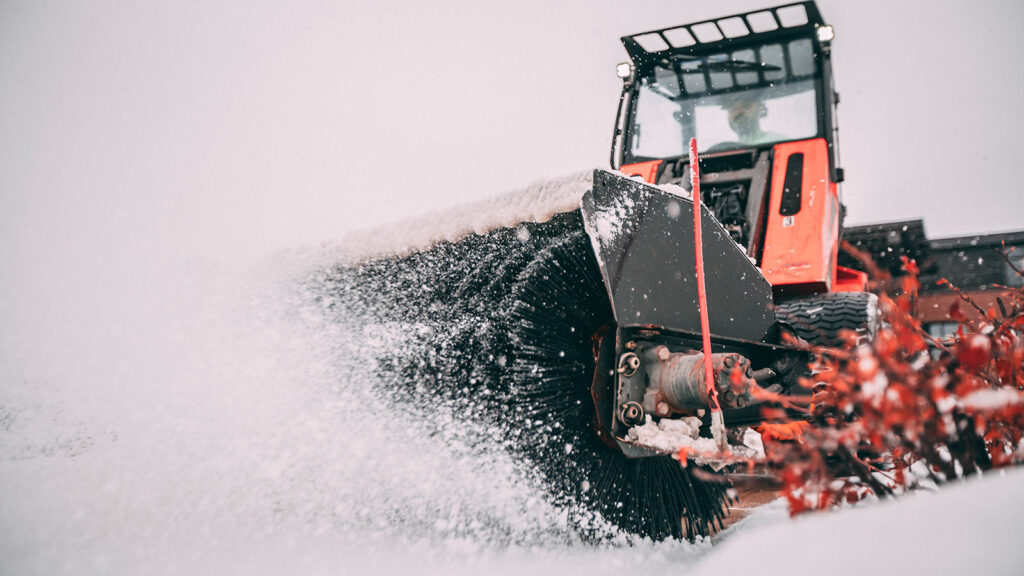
575 338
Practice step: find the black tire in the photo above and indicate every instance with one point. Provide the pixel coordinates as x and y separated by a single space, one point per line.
825 319
510 317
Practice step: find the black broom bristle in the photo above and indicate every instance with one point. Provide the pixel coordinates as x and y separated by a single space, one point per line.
512 317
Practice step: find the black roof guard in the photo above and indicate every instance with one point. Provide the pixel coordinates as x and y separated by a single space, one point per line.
721 33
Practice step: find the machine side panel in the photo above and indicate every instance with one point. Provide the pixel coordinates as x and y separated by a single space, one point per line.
801 239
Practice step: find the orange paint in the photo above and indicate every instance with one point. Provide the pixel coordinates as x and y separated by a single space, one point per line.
783 432
646 170
800 249
850 280
702 298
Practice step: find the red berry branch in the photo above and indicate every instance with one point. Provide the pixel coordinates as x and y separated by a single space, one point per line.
906 410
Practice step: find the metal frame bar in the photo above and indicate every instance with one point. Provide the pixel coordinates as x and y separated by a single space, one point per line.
642 57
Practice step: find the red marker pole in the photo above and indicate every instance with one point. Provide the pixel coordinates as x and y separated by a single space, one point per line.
717 421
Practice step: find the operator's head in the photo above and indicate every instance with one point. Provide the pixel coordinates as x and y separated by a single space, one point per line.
745 113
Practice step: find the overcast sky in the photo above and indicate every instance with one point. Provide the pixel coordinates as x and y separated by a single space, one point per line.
258 123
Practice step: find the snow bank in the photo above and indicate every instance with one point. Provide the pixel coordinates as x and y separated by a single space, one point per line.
968 529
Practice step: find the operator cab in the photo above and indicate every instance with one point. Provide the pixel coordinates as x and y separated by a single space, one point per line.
734 83
728 101
756 92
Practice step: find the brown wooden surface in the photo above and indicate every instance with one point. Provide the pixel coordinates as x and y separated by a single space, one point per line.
750 494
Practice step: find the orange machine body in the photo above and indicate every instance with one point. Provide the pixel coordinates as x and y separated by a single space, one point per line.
801 226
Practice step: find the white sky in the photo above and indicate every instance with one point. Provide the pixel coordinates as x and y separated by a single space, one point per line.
238 124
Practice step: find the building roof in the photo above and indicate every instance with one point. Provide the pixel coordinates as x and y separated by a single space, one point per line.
972 262
886 242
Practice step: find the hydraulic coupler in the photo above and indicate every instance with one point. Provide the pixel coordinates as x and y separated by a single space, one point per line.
671 383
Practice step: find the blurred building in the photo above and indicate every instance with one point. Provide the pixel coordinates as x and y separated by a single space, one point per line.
974 264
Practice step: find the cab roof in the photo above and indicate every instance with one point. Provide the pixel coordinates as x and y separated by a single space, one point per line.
727 32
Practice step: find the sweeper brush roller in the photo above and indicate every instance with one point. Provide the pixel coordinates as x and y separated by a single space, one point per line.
503 325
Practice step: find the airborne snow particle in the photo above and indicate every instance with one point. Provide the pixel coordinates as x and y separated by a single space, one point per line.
673 209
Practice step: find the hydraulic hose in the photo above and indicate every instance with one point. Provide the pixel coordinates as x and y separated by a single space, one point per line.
717 421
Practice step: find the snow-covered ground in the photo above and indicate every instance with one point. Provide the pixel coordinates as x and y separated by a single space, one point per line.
972 528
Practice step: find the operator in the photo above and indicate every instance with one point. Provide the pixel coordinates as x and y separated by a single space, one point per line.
745 112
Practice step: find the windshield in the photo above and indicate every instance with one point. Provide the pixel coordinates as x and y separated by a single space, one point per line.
749 97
